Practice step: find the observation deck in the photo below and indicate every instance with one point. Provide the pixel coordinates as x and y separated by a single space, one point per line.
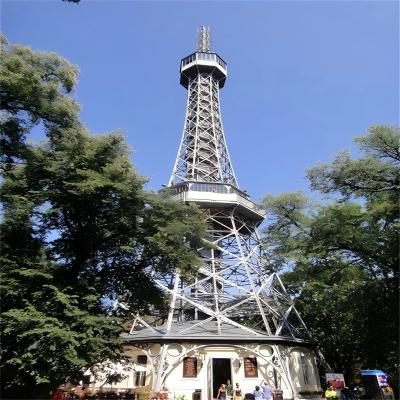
217 195
203 62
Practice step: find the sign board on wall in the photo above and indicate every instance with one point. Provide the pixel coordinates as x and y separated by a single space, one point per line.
190 367
250 367
380 375
335 380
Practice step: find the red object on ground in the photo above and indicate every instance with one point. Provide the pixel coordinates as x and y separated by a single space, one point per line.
336 384
58 395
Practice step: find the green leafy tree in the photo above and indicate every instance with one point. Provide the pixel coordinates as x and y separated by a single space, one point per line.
34 90
80 236
340 259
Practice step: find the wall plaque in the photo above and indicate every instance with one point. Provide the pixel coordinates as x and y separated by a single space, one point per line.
190 367
250 367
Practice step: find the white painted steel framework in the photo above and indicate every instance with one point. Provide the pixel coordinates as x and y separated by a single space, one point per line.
231 291
203 155
231 286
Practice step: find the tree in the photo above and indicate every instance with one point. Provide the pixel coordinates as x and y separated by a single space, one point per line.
340 259
34 90
80 236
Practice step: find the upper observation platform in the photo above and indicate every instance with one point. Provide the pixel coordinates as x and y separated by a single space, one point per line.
203 62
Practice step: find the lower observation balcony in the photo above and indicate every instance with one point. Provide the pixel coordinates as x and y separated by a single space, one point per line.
217 195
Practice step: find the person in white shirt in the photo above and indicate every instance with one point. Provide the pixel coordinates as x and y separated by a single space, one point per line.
266 390
258 394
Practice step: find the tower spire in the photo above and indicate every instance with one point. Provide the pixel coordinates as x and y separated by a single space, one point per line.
204 40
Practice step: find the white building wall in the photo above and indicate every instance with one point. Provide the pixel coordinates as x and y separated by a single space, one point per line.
178 385
300 363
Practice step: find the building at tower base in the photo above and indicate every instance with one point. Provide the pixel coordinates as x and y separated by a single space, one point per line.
200 362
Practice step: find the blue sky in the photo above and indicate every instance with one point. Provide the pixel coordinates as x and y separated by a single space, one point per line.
304 77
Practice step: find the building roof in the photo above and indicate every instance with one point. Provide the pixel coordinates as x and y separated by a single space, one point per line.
192 331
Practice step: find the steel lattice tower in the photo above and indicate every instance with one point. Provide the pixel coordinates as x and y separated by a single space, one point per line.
232 297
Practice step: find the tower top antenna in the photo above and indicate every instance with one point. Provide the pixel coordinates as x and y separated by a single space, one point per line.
204 39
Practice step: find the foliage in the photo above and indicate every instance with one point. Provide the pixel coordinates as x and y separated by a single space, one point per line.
143 394
34 89
81 239
340 259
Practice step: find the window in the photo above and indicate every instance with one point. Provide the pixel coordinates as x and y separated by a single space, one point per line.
250 367
304 368
140 378
142 359
190 367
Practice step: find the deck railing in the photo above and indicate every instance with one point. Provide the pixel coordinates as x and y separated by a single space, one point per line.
210 187
204 57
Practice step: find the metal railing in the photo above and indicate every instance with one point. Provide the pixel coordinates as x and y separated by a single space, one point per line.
204 57
222 188
206 187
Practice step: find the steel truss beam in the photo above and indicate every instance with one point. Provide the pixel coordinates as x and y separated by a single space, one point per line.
203 155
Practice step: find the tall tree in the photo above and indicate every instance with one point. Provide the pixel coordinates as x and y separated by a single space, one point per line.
80 236
340 259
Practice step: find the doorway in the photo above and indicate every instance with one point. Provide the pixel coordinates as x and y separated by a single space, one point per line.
221 372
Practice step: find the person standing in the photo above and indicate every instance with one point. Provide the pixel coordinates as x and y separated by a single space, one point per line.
347 393
330 394
266 390
229 389
130 395
258 394
237 393
221 392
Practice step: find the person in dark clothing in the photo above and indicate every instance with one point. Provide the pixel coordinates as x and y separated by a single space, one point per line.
347 394
130 395
221 392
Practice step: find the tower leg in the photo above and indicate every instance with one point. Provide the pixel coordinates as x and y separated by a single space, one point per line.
162 360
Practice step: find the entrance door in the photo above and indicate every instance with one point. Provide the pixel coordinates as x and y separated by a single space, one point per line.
221 372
